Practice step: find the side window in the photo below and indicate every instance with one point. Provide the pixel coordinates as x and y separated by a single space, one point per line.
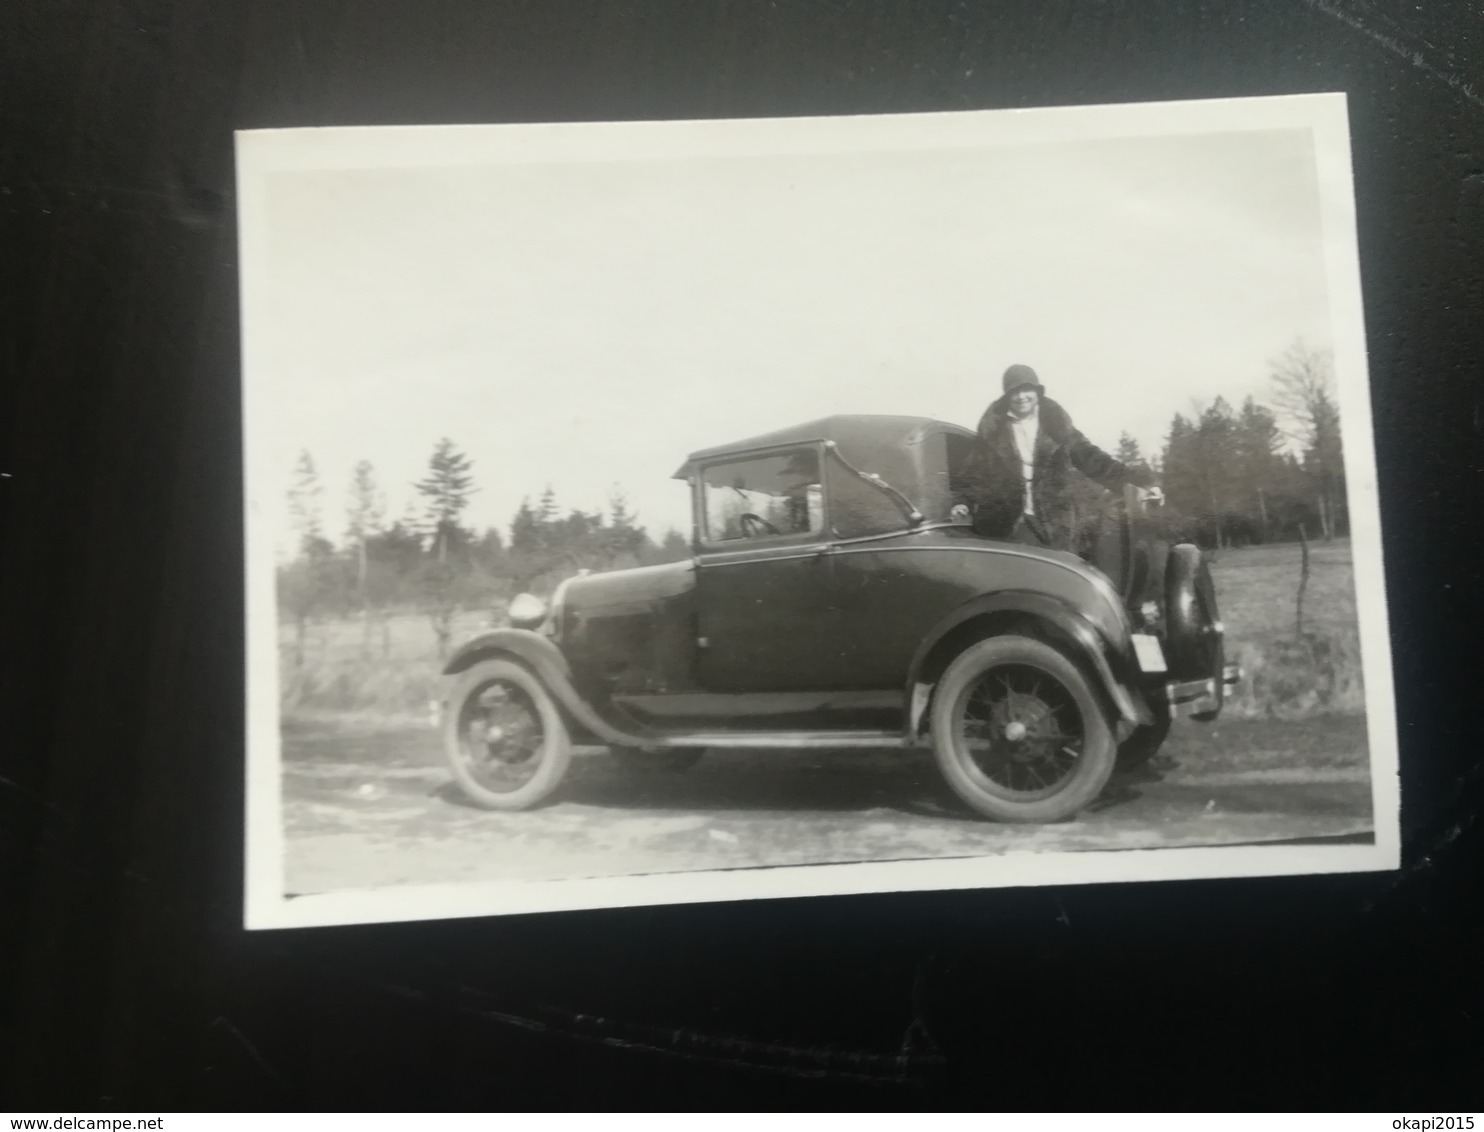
763 497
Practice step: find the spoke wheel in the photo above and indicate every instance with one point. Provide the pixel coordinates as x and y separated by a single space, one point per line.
1019 733
505 739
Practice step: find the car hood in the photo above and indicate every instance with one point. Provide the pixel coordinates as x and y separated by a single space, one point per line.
636 586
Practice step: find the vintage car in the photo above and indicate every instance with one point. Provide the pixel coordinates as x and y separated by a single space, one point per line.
836 600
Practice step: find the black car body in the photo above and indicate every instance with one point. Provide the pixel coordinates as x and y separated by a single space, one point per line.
834 600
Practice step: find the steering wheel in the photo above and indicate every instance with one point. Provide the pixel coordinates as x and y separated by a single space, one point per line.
755 525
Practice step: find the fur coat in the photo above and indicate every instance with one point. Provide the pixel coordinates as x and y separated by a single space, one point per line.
995 487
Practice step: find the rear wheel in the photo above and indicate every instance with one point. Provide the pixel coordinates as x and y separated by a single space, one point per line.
1145 740
504 736
1019 733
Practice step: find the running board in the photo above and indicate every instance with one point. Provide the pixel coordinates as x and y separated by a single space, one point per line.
785 740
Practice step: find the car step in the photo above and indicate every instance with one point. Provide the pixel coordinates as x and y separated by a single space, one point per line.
795 740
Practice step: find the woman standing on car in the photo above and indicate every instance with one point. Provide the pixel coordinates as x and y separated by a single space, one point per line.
1018 483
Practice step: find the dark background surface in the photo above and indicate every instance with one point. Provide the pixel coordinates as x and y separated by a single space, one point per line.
127 981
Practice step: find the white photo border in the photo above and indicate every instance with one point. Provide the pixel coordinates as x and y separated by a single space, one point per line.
262 153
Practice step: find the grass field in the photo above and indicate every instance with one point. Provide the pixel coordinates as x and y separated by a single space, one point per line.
388 668
1284 675
385 668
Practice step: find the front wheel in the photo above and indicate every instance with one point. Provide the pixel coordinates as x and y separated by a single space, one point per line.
504 736
1018 732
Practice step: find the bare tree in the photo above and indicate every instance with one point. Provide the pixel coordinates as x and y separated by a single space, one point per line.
365 519
303 585
1304 392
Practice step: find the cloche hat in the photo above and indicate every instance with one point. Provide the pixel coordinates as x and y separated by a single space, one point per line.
1018 375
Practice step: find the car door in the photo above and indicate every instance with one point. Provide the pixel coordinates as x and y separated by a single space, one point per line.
765 602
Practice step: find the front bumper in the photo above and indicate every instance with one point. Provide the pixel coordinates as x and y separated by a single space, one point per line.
1193 697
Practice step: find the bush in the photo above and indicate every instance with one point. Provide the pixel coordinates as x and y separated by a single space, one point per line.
1293 678
1285 675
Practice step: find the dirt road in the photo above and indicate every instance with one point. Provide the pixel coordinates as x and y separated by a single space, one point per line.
374 806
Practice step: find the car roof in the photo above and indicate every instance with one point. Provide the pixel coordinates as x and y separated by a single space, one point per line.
858 435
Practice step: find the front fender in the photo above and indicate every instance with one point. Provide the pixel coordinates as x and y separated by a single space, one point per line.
531 647
551 668
1092 643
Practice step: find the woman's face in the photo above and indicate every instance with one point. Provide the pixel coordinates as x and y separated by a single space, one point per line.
1023 401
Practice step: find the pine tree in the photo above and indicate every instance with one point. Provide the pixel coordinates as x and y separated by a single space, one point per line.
365 510
396 555
304 504
1216 468
1130 456
304 586
491 550
446 488
547 508
525 529
536 537
624 535
1182 484
444 579
365 513
1258 444
619 516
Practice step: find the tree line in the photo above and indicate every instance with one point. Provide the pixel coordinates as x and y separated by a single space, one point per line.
431 560
1254 473
1231 476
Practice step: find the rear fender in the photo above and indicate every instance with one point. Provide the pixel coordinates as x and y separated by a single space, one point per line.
1021 609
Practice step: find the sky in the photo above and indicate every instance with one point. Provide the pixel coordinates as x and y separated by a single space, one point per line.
584 324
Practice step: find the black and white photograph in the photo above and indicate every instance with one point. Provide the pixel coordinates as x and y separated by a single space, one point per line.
655 512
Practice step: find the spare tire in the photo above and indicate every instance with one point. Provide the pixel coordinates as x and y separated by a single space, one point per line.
1193 640
1155 556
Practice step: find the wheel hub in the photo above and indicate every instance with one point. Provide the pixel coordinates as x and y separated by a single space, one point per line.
1022 730
506 728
